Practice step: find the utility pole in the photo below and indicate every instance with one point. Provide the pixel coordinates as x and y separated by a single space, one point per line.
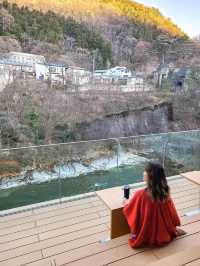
94 54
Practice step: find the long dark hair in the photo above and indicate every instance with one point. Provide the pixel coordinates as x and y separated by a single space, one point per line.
157 182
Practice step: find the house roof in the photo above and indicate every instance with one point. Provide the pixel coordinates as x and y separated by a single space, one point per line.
182 71
25 54
8 63
56 64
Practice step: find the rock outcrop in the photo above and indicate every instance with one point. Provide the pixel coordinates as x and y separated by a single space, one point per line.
147 120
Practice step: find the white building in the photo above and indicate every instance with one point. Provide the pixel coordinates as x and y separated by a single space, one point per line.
57 73
78 75
20 63
99 73
25 59
41 71
135 83
115 72
119 72
115 75
52 71
11 71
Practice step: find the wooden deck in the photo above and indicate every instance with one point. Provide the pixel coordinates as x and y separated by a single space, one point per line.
71 234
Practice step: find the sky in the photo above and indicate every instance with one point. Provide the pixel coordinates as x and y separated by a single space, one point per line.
184 13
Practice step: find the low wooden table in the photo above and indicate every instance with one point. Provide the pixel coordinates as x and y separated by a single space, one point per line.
194 177
113 198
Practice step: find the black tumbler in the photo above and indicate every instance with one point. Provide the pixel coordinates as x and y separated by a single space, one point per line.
126 191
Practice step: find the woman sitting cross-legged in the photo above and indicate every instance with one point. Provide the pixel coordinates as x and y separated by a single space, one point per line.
151 214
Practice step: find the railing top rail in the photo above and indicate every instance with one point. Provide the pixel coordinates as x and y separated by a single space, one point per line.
99 140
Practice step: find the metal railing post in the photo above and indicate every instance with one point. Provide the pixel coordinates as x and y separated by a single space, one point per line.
59 184
165 144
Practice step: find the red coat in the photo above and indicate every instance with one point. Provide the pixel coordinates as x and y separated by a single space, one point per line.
152 223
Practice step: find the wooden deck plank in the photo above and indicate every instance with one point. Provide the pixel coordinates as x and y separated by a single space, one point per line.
74 244
50 248
53 241
104 258
45 212
178 245
65 210
189 203
187 193
44 262
53 230
193 263
181 204
188 220
72 228
141 259
20 215
104 213
181 258
183 211
52 219
66 204
21 260
182 189
18 228
93 249
71 216
18 243
183 208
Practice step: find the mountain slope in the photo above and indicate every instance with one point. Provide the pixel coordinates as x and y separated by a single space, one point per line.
90 9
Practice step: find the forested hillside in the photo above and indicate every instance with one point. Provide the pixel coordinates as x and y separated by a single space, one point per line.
52 28
150 18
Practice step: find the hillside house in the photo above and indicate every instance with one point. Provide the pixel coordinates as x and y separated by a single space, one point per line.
10 71
54 72
25 59
115 72
115 75
20 63
78 75
119 72
57 73
161 74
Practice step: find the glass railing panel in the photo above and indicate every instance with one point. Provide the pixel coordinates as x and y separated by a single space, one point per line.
136 152
28 176
88 166
183 151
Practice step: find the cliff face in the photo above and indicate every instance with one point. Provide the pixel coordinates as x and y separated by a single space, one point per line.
142 121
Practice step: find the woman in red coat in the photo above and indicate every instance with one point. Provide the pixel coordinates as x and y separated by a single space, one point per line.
151 213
